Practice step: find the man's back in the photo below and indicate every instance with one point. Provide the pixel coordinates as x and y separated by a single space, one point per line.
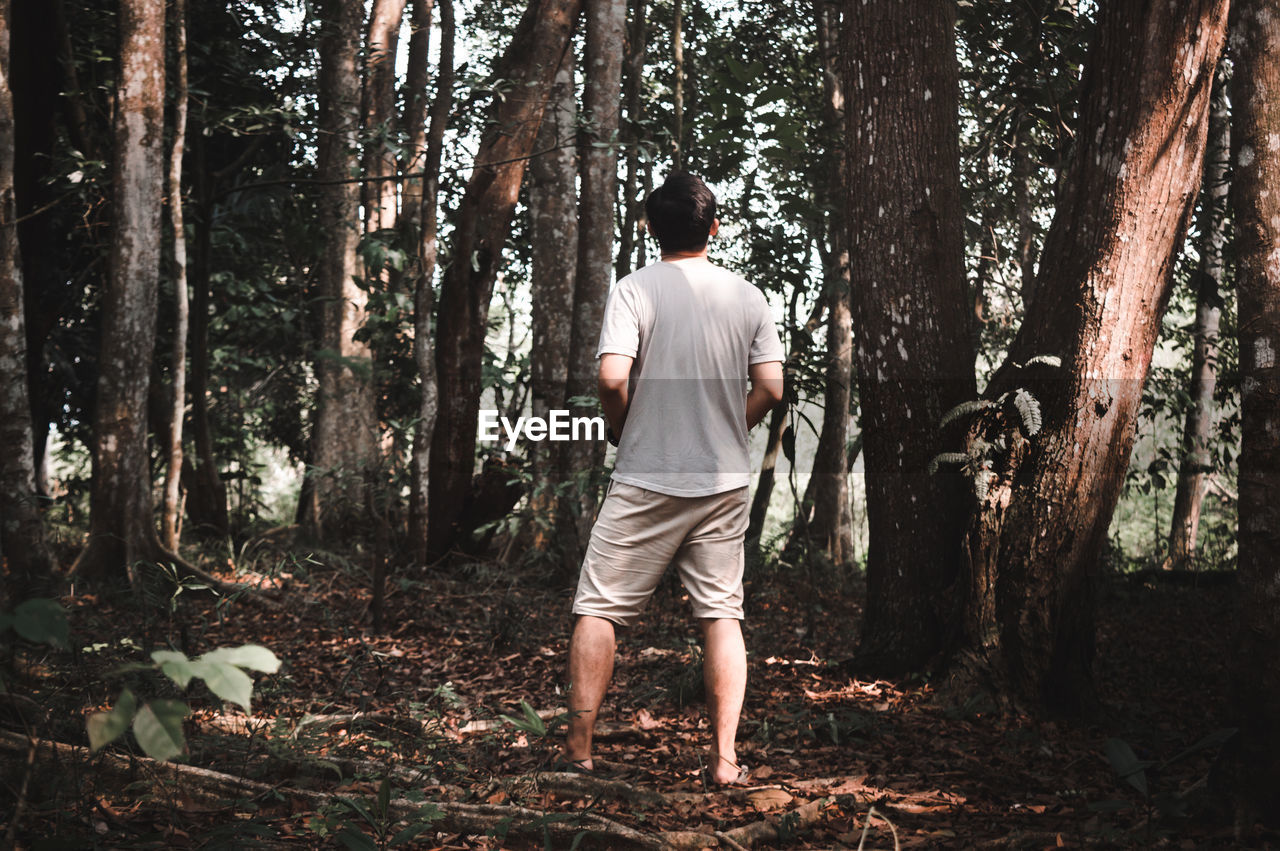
693 329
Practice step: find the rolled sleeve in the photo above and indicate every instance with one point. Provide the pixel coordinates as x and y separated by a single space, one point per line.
766 346
620 333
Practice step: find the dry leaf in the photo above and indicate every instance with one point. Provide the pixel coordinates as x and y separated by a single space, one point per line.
769 799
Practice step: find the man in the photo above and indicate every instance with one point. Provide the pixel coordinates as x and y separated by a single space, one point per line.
681 339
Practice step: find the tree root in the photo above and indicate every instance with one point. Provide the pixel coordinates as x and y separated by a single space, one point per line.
186 783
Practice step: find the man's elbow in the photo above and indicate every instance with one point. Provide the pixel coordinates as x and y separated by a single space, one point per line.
610 387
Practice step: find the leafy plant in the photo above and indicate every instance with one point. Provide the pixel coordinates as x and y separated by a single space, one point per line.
157 724
375 820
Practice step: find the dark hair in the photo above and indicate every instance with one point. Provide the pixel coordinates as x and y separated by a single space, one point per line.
681 212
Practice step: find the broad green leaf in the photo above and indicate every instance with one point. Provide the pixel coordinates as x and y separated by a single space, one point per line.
355 840
384 797
251 656
158 728
225 680
43 621
1127 765
180 671
162 656
105 727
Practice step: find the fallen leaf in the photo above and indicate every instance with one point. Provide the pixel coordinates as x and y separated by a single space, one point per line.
769 799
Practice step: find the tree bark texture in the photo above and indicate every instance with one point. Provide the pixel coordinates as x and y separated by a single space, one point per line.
483 220
1045 500
829 526
170 525
378 100
598 165
553 201
632 230
424 290
23 551
1197 460
1255 138
414 120
121 528
343 433
910 309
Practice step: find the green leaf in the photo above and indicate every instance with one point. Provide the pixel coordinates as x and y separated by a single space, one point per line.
43 621
535 722
158 728
355 840
1127 765
225 680
105 727
176 666
251 656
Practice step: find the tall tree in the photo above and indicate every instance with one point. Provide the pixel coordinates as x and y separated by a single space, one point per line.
170 524
122 530
553 198
343 432
1255 42
423 287
912 344
1033 543
828 524
598 167
1197 460
22 539
378 101
528 66
632 210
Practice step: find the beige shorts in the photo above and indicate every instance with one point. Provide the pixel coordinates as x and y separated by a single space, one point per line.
639 532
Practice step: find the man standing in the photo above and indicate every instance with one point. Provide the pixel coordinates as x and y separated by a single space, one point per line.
681 339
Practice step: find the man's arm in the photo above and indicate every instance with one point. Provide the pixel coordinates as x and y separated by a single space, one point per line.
614 388
766 390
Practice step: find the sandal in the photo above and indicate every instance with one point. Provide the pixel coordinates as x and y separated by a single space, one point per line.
744 774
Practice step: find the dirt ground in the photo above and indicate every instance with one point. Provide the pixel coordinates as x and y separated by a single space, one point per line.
419 706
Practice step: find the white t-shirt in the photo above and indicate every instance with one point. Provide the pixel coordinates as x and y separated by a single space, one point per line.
693 329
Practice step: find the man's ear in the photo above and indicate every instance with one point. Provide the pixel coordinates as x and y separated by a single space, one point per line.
715 227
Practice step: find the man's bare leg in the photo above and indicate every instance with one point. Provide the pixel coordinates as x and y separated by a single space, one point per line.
724 672
590 669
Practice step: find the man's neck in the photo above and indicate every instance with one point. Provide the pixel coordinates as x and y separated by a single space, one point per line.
685 255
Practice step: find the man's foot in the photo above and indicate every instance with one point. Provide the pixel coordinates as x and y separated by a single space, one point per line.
562 762
726 772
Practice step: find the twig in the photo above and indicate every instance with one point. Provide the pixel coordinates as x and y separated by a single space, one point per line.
12 834
867 826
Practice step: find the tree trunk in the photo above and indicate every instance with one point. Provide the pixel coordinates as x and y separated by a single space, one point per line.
829 525
910 310
677 54
598 164
1034 540
121 530
1255 43
483 221
553 198
206 492
22 540
343 433
424 294
378 100
632 207
1197 460
414 120
170 527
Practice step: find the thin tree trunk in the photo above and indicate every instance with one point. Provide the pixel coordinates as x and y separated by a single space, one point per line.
414 120
1034 542
121 528
424 293
629 233
598 164
22 539
206 492
483 220
677 53
553 199
1255 44
343 433
1197 460
171 523
378 99
829 525
910 310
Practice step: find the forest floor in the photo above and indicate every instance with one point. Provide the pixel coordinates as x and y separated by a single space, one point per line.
419 705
